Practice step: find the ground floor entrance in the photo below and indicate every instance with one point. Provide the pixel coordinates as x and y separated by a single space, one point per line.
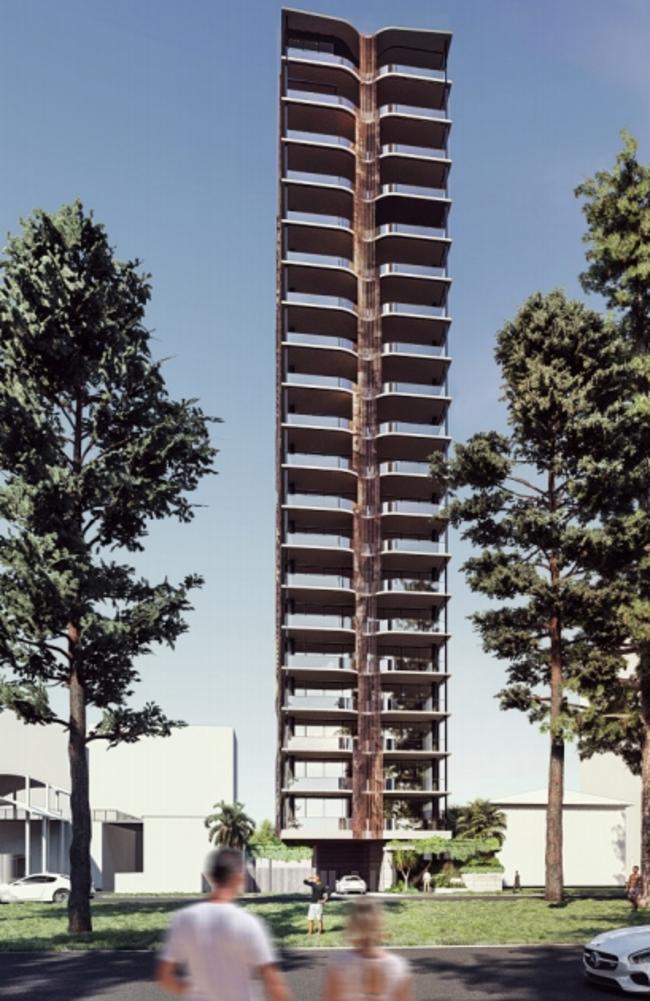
334 859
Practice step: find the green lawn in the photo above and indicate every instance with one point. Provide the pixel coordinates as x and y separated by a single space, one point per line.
123 924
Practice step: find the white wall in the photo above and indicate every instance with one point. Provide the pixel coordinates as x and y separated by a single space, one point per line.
608 775
175 850
180 775
594 845
38 751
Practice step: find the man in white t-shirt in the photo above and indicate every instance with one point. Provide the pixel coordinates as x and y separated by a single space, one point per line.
214 950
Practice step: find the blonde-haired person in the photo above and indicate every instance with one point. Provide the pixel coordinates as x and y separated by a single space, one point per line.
367 972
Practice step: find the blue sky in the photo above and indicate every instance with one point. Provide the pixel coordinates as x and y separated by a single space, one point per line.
161 116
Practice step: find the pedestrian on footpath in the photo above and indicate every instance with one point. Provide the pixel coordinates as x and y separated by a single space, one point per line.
633 887
319 896
426 881
367 972
214 950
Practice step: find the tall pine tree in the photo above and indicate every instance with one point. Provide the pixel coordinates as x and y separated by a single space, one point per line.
519 506
92 448
617 210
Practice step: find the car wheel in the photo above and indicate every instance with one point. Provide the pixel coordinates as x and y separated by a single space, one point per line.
60 896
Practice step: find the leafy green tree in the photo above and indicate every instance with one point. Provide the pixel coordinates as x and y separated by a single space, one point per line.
230 826
481 819
564 387
406 860
265 835
92 448
617 210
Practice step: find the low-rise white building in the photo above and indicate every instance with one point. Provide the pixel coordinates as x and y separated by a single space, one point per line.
594 842
149 801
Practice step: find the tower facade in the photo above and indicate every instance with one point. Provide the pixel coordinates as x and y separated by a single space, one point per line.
362 404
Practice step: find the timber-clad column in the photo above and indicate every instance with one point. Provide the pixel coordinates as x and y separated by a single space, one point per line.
367 765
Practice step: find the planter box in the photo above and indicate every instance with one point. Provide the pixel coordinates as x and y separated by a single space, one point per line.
483 882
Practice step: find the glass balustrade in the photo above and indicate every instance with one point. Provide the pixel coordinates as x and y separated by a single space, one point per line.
414 111
413 545
403 625
320 783
316 459
413 309
317 826
406 427
319 500
311 379
392 703
411 585
313 178
409 785
319 702
403 70
317 420
317 219
422 270
300 620
411 664
319 540
316 299
321 340
328 744
405 466
406 229
413 388
410 507
317 55
326 661
320 97
325 260
336 582
394 188
410 545
321 138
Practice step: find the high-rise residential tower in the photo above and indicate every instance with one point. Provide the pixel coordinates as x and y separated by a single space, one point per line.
362 404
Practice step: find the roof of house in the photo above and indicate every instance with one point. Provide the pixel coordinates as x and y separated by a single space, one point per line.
539 797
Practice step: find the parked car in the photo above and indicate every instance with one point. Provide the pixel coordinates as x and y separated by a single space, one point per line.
620 959
351 884
39 886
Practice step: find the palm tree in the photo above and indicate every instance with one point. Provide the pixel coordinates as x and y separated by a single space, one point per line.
481 819
229 825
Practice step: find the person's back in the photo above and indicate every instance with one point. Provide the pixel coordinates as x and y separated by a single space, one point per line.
367 972
221 949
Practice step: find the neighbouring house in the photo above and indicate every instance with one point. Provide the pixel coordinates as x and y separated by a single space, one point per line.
148 801
595 838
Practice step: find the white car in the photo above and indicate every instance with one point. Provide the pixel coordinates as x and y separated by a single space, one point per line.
620 959
39 886
351 884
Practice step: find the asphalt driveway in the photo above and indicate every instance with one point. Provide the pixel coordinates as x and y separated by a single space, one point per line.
530 973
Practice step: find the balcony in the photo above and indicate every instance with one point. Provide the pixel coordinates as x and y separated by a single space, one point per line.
406 480
414 210
313 200
412 403
425 247
413 126
312 631
313 238
320 318
318 513
317 828
412 369
317 557
313 277
408 787
399 440
310 156
414 633
312 54
306 706
305 68
318 784
406 85
313 113
410 665
399 709
320 661
398 285
306 475
404 595
332 398
318 746
321 360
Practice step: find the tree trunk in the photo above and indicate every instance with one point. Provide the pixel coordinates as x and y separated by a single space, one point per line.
644 861
554 889
79 919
